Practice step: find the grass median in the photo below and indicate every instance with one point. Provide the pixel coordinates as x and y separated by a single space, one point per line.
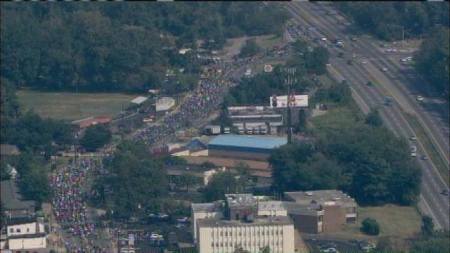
429 146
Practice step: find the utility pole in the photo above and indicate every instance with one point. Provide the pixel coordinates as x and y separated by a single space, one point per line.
290 79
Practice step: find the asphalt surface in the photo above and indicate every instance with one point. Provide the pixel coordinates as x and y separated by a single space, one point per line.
367 64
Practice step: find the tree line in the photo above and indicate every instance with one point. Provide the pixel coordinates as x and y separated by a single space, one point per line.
388 20
432 59
125 47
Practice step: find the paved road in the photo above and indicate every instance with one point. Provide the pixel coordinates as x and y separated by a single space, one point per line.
308 15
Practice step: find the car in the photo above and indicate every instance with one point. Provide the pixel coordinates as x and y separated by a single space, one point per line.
329 250
364 62
413 149
413 138
424 157
183 220
323 39
156 236
366 246
444 192
413 154
419 98
384 69
180 225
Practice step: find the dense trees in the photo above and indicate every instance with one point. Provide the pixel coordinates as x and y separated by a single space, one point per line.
439 242
370 226
387 20
250 48
137 182
311 60
369 163
119 46
373 118
432 60
95 137
29 131
33 181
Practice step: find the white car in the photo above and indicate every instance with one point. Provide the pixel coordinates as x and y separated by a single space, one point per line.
156 236
384 69
419 98
323 39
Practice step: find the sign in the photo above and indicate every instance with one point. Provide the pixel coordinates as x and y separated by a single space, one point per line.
268 68
294 100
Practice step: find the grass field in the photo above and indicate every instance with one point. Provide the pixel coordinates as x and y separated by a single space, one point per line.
267 41
72 106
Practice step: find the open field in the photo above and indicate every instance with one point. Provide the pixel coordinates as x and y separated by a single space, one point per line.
72 106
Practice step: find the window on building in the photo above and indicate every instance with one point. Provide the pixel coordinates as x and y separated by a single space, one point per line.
28 229
18 230
11 230
212 244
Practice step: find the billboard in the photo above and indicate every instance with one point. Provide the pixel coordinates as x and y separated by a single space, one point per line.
295 101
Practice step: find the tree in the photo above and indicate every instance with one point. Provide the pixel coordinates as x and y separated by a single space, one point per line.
301 126
188 180
138 181
432 60
373 118
95 137
250 48
220 184
370 226
427 226
316 61
435 244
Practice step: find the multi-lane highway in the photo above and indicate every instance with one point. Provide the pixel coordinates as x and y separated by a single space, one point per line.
369 63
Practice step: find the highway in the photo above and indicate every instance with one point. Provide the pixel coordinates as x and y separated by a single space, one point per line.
368 61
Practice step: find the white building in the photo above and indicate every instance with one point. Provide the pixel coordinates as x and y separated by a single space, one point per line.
225 236
28 228
164 104
25 236
242 221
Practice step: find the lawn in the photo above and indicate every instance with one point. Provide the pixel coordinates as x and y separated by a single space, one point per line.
395 221
72 106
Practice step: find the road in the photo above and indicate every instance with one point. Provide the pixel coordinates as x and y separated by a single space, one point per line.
391 83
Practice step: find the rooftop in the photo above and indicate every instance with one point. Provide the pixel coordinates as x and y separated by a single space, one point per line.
321 197
248 141
139 100
7 149
277 220
11 198
207 207
236 200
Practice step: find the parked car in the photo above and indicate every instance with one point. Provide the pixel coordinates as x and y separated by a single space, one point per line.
419 98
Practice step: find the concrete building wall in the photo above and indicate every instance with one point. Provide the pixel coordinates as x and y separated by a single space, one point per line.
306 223
334 218
203 215
238 154
25 229
27 243
279 238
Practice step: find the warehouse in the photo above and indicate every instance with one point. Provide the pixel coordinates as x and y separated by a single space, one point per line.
244 146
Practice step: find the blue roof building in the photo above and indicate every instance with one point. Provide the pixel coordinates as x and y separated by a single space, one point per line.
244 146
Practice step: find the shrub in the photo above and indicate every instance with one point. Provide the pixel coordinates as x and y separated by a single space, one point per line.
370 226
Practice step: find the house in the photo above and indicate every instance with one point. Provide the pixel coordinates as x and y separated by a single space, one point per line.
9 150
25 235
13 205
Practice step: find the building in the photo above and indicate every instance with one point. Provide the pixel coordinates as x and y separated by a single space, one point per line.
139 100
255 119
25 235
320 211
9 150
242 221
164 104
13 205
244 146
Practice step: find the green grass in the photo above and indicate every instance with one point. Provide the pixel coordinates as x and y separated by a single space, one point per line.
337 118
268 41
72 106
430 147
398 223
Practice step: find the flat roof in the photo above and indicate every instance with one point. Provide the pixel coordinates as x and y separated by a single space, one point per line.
207 207
248 141
138 100
258 221
322 197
